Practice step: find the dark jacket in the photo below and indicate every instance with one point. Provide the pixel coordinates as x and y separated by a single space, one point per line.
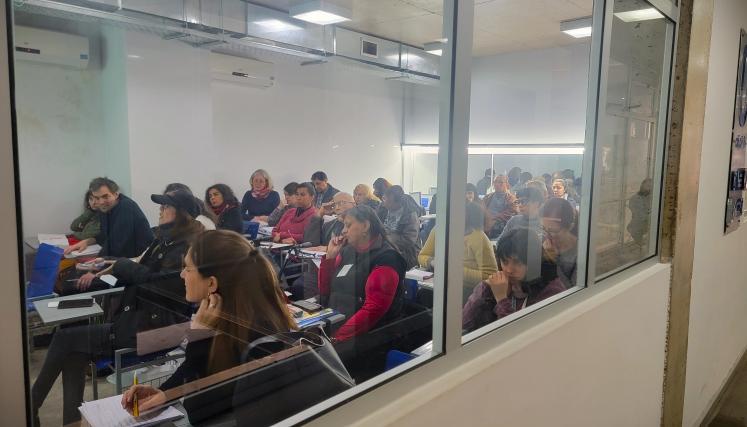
124 230
251 207
414 205
154 294
86 226
331 229
404 235
326 196
230 219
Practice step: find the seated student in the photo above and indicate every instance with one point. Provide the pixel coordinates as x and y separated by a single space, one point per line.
561 244
289 192
225 207
479 259
380 185
526 277
362 275
529 200
261 200
239 298
484 183
343 203
539 184
206 217
471 193
401 224
324 191
560 189
363 195
499 207
87 225
125 231
153 297
291 227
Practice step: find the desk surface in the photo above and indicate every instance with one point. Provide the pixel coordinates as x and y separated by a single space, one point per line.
55 316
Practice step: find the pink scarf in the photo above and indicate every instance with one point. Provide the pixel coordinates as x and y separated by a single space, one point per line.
260 194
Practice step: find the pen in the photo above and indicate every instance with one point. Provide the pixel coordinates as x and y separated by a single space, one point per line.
135 411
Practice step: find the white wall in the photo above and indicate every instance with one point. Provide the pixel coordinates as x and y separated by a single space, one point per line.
184 127
66 128
718 308
598 363
531 97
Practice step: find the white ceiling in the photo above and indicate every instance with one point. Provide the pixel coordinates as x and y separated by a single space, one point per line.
500 25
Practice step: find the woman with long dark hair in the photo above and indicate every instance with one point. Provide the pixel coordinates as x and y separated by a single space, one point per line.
362 275
153 298
559 226
239 300
225 207
87 225
526 277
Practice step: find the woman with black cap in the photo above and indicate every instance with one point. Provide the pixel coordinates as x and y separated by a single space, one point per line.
153 297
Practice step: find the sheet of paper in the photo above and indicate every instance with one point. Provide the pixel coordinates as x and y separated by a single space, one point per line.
416 274
344 270
109 279
108 412
53 304
90 251
53 239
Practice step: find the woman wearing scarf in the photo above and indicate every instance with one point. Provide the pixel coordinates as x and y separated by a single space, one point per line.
225 206
261 200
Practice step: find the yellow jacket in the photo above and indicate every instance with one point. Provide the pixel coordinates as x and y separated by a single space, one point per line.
479 258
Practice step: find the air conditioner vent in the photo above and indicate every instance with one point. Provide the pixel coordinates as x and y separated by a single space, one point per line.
369 49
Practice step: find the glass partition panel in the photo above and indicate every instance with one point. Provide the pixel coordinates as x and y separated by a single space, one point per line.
145 126
631 137
528 109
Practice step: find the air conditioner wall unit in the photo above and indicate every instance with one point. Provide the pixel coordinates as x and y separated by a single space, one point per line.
242 71
51 47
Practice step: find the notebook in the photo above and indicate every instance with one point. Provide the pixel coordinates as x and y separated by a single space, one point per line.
108 412
53 239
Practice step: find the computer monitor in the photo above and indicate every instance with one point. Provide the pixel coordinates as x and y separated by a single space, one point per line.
425 201
416 196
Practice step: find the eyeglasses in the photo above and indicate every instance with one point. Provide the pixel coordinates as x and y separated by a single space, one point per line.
551 231
342 202
518 202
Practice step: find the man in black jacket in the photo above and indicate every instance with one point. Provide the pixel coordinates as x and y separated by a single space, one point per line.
324 191
125 232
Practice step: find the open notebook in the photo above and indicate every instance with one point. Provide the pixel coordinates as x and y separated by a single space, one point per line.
108 412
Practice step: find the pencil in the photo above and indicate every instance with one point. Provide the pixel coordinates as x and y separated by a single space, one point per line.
135 411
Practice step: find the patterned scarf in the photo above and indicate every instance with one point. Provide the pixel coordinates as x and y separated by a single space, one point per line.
260 194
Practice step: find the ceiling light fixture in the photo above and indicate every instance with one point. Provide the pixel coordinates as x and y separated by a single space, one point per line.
435 47
273 25
578 28
320 12
639 15
504 149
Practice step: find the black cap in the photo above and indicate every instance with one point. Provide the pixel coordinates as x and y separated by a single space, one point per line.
181 200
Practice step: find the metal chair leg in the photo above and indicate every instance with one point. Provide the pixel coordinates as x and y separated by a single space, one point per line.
94 381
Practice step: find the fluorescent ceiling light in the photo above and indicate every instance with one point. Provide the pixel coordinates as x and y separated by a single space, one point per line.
435 47
503 149
276 25
639 15
578 28
320 12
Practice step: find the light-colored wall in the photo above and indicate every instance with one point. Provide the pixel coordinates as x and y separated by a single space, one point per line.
531 97
185 127
718 309
599 362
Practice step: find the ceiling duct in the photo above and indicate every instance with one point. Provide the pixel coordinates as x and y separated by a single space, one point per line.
237 26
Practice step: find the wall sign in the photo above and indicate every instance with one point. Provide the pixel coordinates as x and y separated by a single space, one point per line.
737 171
